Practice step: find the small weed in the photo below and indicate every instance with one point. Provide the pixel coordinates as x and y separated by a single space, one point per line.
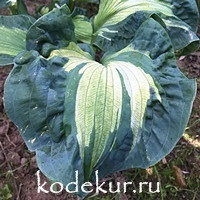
5 192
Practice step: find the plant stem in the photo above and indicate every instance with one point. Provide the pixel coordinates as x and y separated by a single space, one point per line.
71 5
161 191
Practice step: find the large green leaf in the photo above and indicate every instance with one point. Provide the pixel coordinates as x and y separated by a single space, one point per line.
13 36
51 31
166 112
38 86
118 20
129 110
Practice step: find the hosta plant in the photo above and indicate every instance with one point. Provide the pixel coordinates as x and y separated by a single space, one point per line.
101 93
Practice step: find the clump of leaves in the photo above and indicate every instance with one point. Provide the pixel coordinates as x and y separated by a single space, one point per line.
126 110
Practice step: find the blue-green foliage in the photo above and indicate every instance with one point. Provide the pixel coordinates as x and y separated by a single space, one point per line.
127 110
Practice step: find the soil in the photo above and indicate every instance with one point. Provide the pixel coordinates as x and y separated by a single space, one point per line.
18 180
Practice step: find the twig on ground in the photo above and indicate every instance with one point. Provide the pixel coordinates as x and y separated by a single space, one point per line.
18 195
6 133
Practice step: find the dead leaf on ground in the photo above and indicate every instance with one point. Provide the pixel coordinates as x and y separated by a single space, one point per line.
179 177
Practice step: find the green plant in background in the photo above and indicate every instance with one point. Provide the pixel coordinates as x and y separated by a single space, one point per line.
103 93
5 193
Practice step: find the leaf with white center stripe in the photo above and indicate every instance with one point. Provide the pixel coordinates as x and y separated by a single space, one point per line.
13 36
117 21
